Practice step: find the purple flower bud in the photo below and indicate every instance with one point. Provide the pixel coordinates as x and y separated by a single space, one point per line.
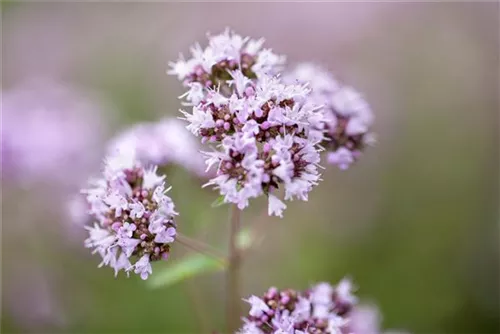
265 125
266 148
219 123
285 299
258 112
272 292
227 126
356 154
116 226
198 71
249 91
275 160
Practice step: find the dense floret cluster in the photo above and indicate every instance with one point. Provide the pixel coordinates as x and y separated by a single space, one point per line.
265 132
319 310
347 116
134 217
210 68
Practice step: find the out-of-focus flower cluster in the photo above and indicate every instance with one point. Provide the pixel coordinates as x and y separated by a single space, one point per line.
266 131
161 143
49 132
348 117
322 309
134 216
366 319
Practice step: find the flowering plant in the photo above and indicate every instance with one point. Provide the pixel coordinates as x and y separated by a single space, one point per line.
264 128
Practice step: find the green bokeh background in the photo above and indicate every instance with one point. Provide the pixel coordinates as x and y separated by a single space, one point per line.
414 223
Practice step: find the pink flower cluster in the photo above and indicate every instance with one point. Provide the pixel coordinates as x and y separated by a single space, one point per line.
265 131
134 217
322 309
209 67
348 117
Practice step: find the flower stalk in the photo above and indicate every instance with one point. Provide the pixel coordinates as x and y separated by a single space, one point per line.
233 307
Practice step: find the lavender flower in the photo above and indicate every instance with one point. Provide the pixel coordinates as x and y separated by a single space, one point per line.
320 309
134 216
210 67
348 117
162 143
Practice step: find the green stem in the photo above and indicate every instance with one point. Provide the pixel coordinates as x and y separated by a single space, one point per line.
233 276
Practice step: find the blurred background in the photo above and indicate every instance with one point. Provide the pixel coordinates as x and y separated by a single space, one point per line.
414 223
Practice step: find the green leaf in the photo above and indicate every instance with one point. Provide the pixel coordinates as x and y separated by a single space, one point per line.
188 267
218 202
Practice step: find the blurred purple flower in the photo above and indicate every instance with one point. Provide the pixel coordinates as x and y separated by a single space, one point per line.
162 143
347 116
366 319
49 133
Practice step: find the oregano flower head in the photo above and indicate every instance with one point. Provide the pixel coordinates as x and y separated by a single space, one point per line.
134 218
265 132
322 309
